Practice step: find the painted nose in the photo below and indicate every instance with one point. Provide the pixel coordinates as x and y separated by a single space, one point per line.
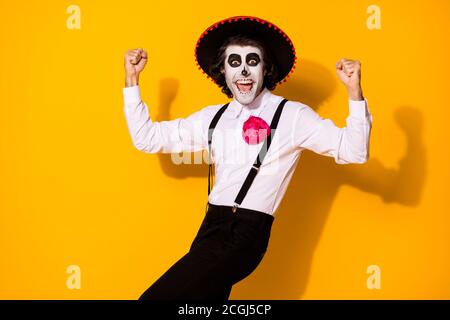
244 72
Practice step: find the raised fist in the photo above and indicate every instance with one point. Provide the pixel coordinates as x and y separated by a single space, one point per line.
135 61
349 71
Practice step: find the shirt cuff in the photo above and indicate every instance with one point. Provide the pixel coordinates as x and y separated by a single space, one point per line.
131 95
359 109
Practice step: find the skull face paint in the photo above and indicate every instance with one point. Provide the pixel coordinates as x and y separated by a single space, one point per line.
244 72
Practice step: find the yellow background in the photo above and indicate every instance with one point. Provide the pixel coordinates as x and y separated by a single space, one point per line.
74 191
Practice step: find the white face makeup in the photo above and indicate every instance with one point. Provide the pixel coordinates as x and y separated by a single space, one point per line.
244 72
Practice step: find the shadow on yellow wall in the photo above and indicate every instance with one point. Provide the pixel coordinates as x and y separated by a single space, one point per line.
284 272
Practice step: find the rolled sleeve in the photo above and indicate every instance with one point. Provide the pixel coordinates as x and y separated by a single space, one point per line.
131 95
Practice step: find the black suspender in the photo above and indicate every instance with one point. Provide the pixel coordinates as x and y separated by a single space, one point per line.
212 126
259 159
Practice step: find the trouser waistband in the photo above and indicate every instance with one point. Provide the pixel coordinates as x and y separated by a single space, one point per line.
243 213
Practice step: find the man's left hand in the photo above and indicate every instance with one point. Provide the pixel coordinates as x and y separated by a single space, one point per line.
349 71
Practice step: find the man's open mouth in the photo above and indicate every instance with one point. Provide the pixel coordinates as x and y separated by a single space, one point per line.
244 85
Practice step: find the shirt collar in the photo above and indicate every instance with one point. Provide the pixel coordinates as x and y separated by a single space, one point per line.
256 104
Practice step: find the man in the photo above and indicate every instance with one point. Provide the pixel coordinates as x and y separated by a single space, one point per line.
246 57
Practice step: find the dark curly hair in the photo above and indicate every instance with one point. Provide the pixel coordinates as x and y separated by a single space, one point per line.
270 69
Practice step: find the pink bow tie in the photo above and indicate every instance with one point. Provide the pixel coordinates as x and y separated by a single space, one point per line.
255 130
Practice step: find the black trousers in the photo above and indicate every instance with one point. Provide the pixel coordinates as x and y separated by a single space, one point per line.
227 248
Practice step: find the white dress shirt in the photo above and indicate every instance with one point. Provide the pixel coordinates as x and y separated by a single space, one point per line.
299 128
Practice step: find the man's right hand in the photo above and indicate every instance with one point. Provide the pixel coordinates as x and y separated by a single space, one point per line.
135 61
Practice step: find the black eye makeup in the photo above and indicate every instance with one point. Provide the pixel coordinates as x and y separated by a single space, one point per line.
234 60
252 59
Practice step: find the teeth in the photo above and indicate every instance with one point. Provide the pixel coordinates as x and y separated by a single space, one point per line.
244 81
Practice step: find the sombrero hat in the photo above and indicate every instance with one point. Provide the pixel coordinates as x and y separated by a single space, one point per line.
275 39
